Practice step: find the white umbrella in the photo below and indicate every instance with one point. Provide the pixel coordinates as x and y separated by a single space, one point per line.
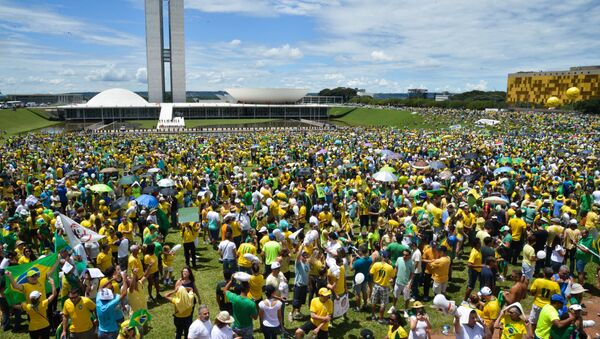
385 176
495 200
154 170
166 183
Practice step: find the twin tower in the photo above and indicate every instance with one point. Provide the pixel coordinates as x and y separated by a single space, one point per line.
166 57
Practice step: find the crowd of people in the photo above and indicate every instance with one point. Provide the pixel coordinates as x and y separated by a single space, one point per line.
309 227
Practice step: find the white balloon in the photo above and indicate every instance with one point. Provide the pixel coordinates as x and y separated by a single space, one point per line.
359 278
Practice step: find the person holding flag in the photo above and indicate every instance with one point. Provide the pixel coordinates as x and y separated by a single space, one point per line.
35 279
36 309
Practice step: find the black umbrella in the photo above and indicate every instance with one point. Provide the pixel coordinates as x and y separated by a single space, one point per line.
168 191
137 168
119 203
150 189
470 156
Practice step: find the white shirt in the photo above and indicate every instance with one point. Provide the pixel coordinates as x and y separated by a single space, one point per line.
221 333
466 332
200 329
227 248
416 259
123 250
556 257
270 308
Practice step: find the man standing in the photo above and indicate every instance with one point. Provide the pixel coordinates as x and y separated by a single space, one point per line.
201 327
416 259
549 318
361 265
300 283
429 255
583 255
106 308
270 252
244 310
440 271
529 258
122 251
404 276
79 311
382 273
474 264
517 229
490 306
542 289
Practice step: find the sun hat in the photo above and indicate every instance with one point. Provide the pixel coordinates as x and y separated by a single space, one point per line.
577 289
417 304
324 291
224 317
106 294
517 305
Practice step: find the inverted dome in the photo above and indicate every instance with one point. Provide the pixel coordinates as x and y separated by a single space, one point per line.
117 97
267 95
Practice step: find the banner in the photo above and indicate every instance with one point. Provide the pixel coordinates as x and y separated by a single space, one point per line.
140 318
188 214
76 233
340 306
320 191
19 273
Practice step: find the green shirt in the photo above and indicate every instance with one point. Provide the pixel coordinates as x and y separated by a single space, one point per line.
581 255
271 249
544 325
395 250
243 310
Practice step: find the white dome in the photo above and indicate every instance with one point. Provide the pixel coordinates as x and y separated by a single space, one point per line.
267 95
117 97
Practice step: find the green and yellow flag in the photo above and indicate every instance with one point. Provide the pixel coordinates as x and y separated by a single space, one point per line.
19 273
140 318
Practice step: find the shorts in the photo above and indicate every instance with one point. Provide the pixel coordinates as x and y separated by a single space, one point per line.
168 269
380 295
440 287
401 289
91 334
361 288
309 326
580 266
534 314
300 293
527 271
473 277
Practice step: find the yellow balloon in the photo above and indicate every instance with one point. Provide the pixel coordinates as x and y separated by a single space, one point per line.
573 93
552 102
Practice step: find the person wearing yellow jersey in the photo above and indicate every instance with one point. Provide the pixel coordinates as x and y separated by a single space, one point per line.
134 262
321 312
35 282
256 283
474 264
542 289
151 264
383 273
104 259
244 264
490 307
79 310
188 235
168 257
36 309
126 227
396 326
518 232
513 324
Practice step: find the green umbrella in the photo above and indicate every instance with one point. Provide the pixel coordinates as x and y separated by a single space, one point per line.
387 168
100 188
505 160
128 180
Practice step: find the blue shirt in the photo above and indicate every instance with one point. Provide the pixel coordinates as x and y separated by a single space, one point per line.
362 265
108 314
301 277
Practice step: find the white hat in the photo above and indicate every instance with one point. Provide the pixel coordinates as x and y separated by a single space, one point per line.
575 307
263 229
577 288
106 294
485 291
275 265
224 317
517 305
34 295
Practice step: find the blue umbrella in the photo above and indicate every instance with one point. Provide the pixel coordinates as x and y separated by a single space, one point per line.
147 200
502 170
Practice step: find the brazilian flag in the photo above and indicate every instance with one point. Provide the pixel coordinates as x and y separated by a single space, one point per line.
163 222
19 273
140 318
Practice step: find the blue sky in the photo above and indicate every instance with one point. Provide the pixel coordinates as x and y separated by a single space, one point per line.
379 45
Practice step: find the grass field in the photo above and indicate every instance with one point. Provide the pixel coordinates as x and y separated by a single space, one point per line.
22 120
210 272
378 117
202 122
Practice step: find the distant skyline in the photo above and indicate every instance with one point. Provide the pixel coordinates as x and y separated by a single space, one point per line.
381 46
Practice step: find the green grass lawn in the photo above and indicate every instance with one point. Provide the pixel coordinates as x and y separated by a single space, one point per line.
191 123
379 117
22 120
210 272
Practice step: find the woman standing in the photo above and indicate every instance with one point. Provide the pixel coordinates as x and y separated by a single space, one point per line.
39 327
420 327
188 281
270 314
183 300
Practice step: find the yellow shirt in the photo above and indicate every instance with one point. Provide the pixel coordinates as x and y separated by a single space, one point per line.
256 283
80 314
491 310
126 226
104 261
382 272
167 259
340 286
152 260
517 226
528 253
39 286
187 233
512 329
114 285
475 258
37 317
243 249
134 262
543 289
400 332
24 260
321 309
439 269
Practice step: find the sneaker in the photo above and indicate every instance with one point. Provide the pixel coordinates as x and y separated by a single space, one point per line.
290 317
501 278
391 310
412 300
405 314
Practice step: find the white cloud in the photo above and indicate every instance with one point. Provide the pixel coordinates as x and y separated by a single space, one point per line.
380 56
66 72
141 75
235 42
480 86
285 51
108 73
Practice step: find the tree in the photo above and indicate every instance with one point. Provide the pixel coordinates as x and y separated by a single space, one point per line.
346 92
591 106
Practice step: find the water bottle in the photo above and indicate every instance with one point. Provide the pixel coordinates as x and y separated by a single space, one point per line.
446 329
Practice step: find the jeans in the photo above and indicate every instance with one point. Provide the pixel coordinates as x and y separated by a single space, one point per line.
415 285
182 325
527 271
229 265
426 284
107 335
515 248
270 332
189 252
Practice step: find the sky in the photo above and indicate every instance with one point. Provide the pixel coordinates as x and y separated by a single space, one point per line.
382 46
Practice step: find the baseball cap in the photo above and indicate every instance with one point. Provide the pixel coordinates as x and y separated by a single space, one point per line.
275 265
485 291
34 295
263 229
575 307
504 228
324 291
385 254
32 273
557 298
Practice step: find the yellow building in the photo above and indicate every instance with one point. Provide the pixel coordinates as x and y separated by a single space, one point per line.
537 87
